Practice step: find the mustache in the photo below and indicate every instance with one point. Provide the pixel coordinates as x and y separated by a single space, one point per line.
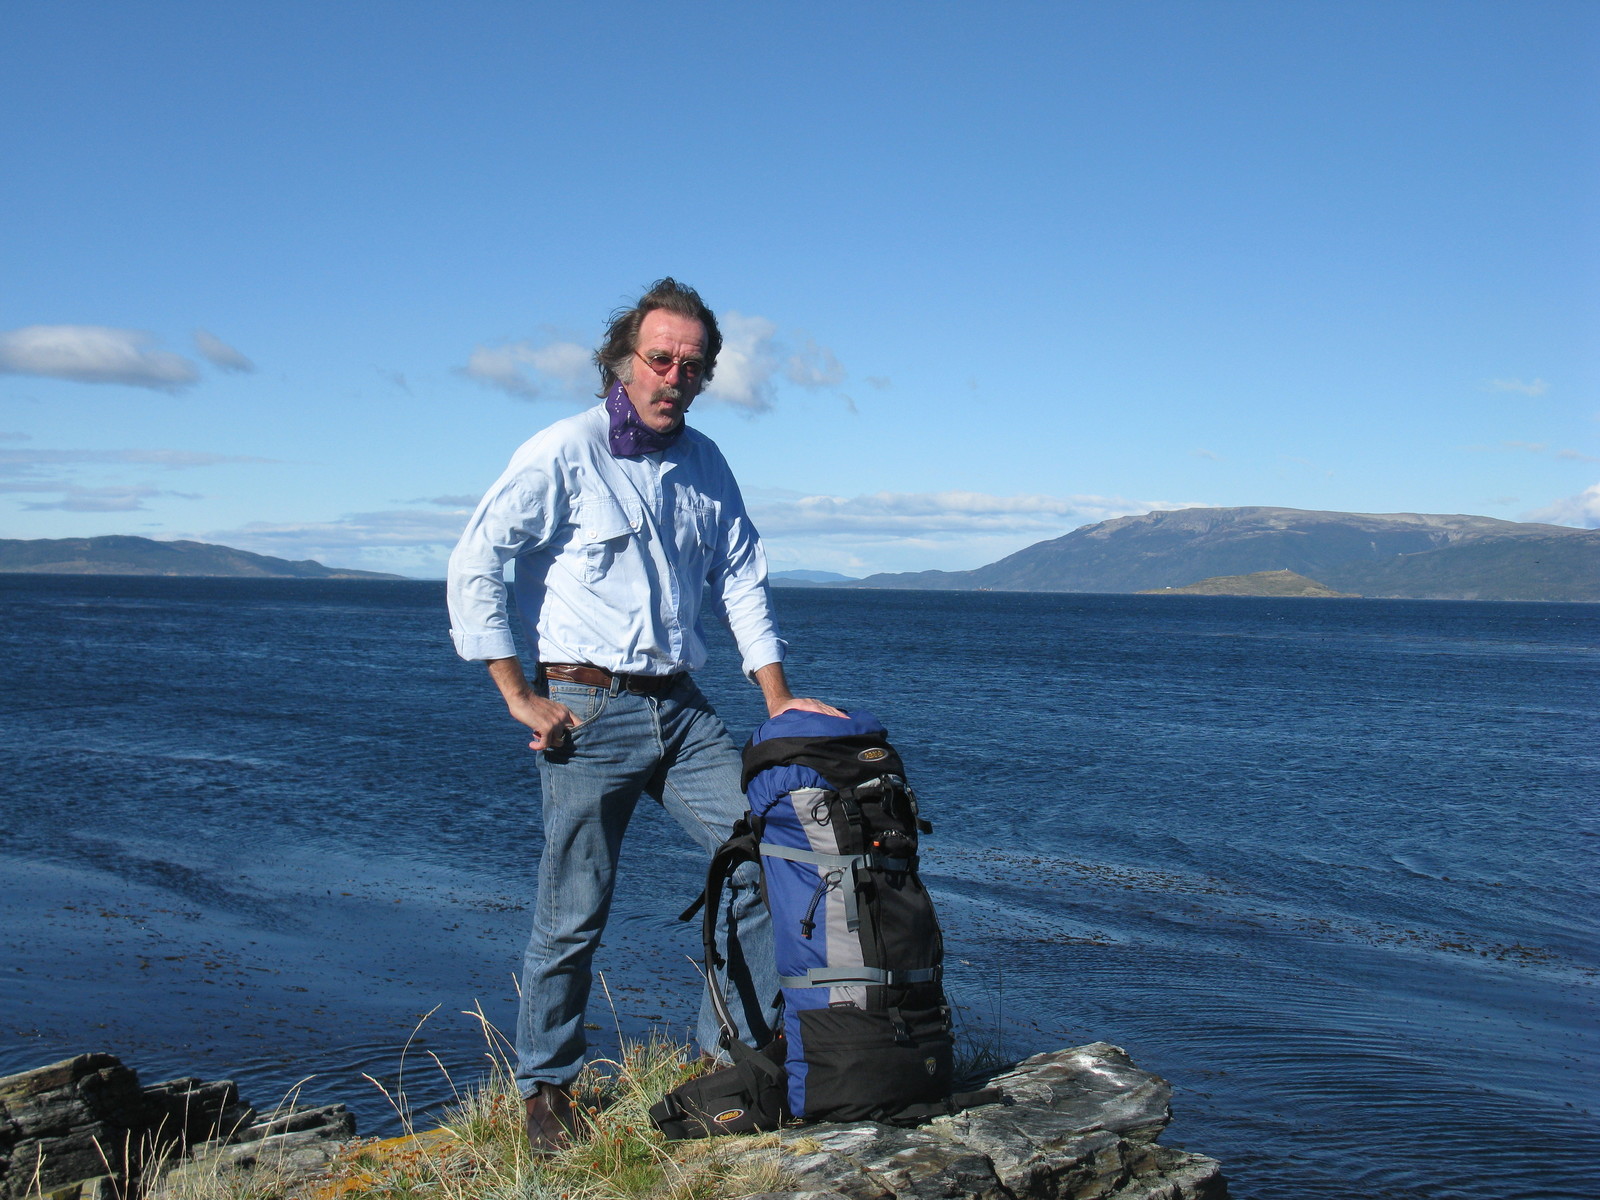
667 392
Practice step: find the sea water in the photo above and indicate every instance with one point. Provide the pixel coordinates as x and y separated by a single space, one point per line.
1326 865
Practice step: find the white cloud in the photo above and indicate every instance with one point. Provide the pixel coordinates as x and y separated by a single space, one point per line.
749 366
746 364
1582 510
1537 387
1202 452
525 370
93 354
219 354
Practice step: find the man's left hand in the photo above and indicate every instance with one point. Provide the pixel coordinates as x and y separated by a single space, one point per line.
804 704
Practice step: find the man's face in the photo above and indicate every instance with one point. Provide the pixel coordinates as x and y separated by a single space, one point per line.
662 399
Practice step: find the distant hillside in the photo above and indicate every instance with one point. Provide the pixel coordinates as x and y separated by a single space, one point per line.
143 556
1410 555
807 578
1261 583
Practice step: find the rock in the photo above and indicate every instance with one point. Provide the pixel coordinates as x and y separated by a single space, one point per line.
83 1129
68 1124
1078 1124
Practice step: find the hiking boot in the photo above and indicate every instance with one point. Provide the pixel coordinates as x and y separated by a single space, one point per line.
550 1117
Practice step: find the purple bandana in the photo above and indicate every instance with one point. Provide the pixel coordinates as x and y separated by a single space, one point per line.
629 435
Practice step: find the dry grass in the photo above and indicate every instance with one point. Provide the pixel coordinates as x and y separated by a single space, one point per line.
481 1151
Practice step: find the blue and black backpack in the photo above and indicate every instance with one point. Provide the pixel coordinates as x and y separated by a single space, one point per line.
866 1032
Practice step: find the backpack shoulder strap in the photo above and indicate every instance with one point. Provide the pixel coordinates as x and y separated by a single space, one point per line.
742 846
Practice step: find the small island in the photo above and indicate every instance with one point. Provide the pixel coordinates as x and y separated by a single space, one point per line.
1258 583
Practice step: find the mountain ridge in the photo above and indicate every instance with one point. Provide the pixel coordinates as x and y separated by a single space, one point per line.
1388 555
126 554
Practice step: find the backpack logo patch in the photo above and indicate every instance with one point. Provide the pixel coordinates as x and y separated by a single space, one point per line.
873 754
931 1066
733 1114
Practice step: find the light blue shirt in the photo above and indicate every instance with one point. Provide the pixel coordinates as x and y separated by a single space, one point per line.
615 557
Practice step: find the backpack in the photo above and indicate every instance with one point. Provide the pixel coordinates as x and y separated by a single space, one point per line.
866 1030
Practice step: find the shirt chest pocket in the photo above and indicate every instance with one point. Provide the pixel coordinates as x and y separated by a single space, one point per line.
697 527
605 528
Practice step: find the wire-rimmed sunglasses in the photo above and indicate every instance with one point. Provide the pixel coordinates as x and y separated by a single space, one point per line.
662 363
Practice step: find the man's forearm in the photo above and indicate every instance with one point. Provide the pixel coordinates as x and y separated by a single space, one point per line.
775 690
774 687
508 676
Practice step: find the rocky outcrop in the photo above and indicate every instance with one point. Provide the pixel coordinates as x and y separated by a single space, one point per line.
1077 1124
84 1129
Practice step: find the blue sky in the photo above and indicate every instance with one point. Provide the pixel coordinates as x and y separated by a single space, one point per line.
298 277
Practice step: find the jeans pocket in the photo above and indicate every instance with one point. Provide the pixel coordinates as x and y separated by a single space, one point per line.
585 702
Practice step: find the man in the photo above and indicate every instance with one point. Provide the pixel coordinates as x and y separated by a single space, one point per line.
623 522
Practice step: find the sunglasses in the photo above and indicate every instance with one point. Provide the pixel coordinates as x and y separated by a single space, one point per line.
662 364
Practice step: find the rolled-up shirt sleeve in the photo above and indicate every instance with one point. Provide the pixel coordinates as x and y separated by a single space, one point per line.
739 590
516 517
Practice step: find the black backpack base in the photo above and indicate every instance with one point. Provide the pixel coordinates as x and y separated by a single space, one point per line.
746 1097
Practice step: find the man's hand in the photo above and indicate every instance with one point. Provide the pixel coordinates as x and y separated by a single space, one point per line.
805 704
775 689
549 719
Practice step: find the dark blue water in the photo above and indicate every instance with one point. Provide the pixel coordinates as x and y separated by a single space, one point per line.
1329 866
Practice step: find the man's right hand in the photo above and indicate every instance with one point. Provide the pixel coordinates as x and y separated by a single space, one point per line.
549 719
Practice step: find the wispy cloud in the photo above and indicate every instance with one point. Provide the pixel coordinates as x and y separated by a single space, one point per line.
396 378
1202 452
529 372
93 354
1582 510
931 514
16 437
1533 448
61 473
106 499
881 382
1535 387
395 527
407 541
814 366
899 531
21 461
219 354
461 500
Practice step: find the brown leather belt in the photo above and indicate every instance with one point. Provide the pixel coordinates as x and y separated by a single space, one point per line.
639 685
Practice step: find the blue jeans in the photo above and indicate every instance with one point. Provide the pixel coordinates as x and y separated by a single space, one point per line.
674 749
